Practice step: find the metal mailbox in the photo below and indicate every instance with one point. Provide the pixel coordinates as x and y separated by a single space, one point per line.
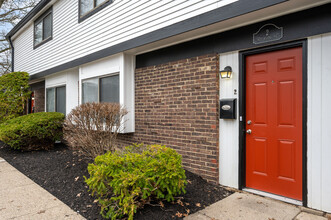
228 108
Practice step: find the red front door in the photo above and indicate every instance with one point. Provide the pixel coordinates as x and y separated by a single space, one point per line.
274 122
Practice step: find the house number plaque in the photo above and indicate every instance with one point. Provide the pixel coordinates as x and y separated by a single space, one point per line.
268 33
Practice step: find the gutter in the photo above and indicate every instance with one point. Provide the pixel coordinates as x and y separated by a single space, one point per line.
12 52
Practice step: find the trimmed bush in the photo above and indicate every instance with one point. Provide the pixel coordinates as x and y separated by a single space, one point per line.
125 181
92 128
32 132
14 92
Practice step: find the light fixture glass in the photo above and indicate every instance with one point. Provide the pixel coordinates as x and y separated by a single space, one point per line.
226 73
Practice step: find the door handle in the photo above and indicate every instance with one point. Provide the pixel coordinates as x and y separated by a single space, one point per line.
249 131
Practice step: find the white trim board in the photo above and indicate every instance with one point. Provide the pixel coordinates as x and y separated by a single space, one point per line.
229 128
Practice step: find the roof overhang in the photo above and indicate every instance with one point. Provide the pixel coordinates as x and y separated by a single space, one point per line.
221 14
234 15
231 22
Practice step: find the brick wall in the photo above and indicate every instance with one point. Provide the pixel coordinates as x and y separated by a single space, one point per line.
176 105
39 100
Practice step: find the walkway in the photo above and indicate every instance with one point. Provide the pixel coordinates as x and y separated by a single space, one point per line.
23 199
246 206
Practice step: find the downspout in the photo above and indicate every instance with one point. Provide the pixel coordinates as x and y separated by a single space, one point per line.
12 53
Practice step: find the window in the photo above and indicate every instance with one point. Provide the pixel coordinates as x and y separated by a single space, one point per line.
56 99
89 7
43 28
105 89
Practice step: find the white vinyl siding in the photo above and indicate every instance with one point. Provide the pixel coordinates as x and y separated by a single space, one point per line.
118 22
319 122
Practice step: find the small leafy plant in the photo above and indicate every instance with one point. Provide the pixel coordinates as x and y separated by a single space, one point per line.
125 181
32 132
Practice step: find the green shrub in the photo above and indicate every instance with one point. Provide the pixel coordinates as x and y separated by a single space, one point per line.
14 92
125 181
32 132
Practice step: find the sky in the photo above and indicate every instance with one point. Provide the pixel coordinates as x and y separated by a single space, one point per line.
7 26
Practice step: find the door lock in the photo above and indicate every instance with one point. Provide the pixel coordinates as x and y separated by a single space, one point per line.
249 122
249 131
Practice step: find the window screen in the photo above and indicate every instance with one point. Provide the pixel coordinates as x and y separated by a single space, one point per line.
86 6
90 90
47 30
50 100
61 99
109 89
38 33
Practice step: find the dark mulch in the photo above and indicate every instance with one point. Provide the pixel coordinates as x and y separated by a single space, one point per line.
61 172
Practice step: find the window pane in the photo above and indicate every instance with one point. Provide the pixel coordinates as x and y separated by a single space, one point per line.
99 2
47 26
86 6
50 100
90 90
109 89
38 33
61 99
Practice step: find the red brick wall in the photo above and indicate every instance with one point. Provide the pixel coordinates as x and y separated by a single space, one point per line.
176 104
39 100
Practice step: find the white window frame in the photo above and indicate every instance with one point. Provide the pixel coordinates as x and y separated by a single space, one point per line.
124 65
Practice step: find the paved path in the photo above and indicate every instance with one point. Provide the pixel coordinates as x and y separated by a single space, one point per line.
246 206
23 199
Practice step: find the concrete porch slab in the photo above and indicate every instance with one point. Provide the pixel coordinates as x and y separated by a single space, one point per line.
247 206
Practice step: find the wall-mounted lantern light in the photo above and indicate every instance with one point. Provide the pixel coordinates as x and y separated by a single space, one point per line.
226 73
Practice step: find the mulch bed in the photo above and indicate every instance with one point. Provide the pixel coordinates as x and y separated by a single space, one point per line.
61 172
